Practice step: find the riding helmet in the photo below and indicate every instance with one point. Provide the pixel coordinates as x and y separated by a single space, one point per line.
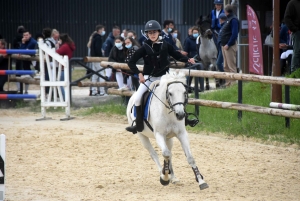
152 25
218 2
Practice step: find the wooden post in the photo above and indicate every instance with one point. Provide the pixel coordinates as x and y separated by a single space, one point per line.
276 89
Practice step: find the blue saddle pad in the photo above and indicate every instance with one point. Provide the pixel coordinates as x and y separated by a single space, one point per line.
146 106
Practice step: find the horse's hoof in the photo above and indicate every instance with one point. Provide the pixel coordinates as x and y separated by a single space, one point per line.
163 182
203 186
175 181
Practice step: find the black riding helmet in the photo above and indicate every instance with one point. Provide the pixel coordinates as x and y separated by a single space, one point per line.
152 25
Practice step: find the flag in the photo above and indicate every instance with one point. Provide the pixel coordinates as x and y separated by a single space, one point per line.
255 45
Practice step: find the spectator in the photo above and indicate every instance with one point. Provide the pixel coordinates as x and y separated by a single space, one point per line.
111 40
292 21
3 65
190 45
117 54
286 56
28 43
55 38
220 60
96 51
109 44
67 48
90 64
228 42
131 46
215 24
175 35
166 33
191 48
16 45
48 41
189 34
132 34
124 33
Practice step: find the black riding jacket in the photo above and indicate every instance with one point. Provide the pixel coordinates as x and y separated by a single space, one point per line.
156 63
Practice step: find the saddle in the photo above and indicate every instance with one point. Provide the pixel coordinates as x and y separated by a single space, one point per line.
146 101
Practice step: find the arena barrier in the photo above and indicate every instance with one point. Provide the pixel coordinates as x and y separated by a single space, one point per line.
17 96
56 65
223 75
2 167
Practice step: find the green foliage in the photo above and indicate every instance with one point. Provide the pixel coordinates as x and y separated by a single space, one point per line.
255 125
112 108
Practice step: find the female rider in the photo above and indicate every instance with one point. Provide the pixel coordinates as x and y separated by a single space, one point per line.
155 53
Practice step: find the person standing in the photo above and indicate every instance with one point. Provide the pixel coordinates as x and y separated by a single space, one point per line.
109 44
154 69
292 21
96 51
67 48
215 24
220 60
229 34
28 43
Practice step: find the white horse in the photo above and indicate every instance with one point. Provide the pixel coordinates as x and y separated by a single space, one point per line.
207 51
166 125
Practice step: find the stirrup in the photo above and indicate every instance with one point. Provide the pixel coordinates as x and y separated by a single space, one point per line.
192 122
132 128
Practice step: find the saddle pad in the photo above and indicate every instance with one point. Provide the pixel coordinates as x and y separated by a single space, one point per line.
147 104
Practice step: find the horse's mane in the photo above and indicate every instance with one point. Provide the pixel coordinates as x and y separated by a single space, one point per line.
173 75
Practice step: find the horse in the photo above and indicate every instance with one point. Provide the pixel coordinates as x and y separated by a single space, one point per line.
208 50
167 120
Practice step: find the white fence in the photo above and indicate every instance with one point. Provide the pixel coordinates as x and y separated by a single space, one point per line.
55 65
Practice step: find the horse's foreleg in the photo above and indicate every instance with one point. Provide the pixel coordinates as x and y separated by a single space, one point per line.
183 138
147 144
173 179
165 174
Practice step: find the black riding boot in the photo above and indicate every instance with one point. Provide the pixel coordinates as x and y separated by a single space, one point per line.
139 122
190 122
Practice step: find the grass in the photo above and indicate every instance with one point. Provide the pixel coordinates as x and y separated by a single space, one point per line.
216 120
264 127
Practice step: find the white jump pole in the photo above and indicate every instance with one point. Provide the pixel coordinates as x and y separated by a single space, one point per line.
2 167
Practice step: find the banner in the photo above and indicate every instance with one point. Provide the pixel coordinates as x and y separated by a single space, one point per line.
255 45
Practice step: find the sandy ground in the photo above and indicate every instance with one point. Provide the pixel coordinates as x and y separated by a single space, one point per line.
93 158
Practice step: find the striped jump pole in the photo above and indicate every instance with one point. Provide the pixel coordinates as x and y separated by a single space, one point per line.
18 72
2 167
17 96
18 51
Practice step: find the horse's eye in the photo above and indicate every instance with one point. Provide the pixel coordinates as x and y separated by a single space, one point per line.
170 94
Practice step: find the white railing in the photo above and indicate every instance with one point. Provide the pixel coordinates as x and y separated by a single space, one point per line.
55 64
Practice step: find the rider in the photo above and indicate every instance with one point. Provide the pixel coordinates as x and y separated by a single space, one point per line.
215 24
155 53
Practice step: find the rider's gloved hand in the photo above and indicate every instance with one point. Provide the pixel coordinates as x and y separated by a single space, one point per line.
192 60
141 78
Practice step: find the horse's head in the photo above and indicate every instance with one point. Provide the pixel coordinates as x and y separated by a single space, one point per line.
204 24
176 94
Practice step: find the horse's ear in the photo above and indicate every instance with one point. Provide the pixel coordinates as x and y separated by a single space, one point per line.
199 20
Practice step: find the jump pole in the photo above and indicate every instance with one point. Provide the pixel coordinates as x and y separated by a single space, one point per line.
18 51
2 167
17 96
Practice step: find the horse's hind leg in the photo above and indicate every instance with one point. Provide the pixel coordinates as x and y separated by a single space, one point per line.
147 144
173 179
183 138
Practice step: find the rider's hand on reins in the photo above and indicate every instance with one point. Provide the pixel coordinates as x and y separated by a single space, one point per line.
191 60
141 78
